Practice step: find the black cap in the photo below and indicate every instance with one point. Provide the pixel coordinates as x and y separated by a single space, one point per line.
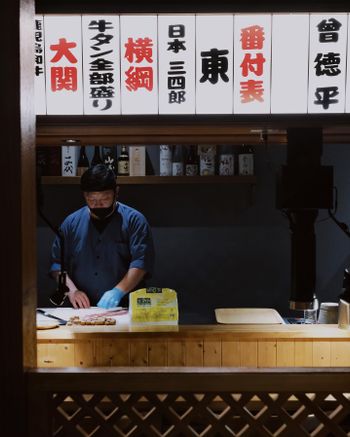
98 178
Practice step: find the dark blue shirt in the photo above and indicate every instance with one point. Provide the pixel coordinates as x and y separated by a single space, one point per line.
97 261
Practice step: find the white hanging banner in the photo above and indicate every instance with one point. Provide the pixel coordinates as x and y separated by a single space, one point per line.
290 63
327 63
139 60
101 64
252 64
347 104
177 60
208 64
214 69
39 65
63 53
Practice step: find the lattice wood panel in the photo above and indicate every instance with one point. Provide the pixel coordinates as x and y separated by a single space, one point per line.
171 414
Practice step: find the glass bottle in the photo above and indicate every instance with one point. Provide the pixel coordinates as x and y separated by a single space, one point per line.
96 159
123 162
109 157
83 162
149 164
178 161
246 161
191 165
165 160
207 160
226 161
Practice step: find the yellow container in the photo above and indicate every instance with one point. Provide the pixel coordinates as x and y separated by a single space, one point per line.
154 306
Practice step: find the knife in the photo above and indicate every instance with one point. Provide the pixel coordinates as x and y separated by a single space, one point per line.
45 313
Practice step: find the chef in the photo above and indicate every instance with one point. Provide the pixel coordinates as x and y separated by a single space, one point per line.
108 245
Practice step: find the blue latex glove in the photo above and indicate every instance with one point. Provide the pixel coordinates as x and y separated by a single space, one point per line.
111 298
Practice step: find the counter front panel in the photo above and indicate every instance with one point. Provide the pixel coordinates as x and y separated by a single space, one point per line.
254 346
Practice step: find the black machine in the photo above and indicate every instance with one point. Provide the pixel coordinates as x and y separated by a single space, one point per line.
303 187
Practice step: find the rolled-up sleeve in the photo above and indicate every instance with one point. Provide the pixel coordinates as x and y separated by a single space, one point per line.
141 244
56 250
55 256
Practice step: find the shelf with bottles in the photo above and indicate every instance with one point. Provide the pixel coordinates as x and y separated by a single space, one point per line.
149 180
171 164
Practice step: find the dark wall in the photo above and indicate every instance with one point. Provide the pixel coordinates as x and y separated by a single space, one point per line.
223 245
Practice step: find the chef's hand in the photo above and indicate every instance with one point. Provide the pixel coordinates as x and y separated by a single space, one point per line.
111 298
78 299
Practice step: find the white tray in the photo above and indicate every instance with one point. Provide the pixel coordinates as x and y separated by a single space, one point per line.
250 316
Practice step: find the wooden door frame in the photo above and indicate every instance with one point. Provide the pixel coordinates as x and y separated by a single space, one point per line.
18 210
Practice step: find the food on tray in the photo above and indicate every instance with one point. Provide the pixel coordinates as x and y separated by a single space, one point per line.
91 320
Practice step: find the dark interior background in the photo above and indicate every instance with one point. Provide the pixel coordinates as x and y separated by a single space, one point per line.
220 245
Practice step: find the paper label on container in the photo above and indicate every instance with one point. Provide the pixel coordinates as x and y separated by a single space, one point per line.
154 305
245 164
165 160
69 157
137 163
226 164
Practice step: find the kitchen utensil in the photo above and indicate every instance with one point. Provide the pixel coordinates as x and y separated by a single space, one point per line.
47 314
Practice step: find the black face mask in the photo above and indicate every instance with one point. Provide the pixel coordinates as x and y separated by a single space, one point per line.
103 213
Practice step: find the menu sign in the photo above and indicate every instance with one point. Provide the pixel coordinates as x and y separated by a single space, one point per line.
63 58
192 64
39 66
252 61
176 43
214 64
327 63
139 64
101 64
289 66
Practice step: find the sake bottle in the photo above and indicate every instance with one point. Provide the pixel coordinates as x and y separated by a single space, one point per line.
178 162
123 162
246 161
96 159
165 160
83 162
191 164
109 158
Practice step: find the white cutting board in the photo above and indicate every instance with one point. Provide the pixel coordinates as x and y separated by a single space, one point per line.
251 316
43 322
66 313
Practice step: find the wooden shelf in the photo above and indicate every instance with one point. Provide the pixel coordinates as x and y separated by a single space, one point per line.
154 130
157 180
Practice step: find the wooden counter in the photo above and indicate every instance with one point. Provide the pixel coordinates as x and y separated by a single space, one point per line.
195 345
